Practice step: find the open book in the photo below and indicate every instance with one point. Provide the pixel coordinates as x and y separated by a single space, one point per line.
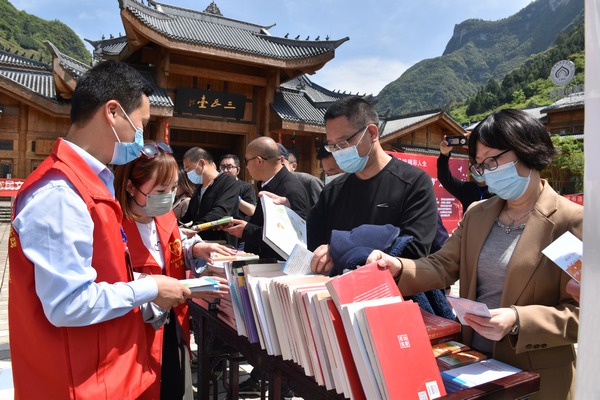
283 227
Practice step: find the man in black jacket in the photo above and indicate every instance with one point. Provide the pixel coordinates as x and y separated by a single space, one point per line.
216 194
263 161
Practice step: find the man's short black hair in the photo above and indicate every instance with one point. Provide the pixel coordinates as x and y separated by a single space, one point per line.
236 159
357 109
109 80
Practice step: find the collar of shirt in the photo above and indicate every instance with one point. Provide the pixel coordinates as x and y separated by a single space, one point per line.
99 169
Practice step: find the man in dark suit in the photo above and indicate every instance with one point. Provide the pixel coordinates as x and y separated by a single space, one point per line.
263 161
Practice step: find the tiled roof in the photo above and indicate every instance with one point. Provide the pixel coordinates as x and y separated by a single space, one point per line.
574 100
12 60
40 82
30 74
293 105
213 30
395 125
159 98
74 67
316 93
37 77
109 47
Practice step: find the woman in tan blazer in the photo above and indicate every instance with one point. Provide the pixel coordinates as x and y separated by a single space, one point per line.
496 252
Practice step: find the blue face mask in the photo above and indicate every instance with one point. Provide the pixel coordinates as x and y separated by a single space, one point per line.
506 182
194 177
127 152
349 160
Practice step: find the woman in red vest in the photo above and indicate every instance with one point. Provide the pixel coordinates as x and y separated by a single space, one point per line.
146 188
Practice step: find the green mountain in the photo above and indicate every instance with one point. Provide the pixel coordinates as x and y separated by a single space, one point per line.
477 52
24 34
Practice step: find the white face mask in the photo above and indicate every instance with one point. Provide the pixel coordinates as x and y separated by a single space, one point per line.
330 178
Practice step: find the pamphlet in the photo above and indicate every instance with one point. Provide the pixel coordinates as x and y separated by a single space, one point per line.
566 252
298 262
283 227
465 306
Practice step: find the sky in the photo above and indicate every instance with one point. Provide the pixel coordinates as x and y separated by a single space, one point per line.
386 36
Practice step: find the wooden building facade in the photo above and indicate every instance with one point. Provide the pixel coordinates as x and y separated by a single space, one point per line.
219 83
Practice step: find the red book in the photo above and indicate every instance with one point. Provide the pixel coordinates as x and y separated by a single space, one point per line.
400 351
439 328
364 283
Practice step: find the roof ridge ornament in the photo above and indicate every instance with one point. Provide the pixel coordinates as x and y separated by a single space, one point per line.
213 9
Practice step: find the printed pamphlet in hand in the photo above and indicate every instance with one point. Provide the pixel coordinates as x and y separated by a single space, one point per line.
566 252
203 284
465 306
298 262
283 227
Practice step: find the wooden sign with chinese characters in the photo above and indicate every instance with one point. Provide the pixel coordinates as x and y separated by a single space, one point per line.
207 102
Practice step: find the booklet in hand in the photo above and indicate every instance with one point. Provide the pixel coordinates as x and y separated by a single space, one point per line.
566 252
283 227
203 284
465 306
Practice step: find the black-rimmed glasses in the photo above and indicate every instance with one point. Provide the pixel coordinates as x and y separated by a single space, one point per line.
488 164
227 167
151 150
344 143
247 160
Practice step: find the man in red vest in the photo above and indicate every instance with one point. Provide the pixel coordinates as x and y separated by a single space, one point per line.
75 326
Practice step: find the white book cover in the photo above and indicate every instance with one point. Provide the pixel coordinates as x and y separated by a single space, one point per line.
566 252
283 228
477 373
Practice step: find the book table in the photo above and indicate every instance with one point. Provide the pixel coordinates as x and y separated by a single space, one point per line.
214 337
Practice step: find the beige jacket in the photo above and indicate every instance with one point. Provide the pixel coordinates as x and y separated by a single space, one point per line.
549 317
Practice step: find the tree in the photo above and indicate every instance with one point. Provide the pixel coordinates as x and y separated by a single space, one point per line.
565 174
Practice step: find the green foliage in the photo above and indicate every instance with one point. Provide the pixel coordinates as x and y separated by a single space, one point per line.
565 174
482 53
24 34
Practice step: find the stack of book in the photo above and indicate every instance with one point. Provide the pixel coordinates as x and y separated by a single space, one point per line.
353 333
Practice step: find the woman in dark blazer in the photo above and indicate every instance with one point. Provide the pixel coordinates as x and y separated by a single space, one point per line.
496 252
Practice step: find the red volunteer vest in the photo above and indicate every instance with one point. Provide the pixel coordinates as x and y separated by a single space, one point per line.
108 360
142 261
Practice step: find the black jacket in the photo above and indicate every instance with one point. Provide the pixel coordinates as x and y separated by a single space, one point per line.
286 184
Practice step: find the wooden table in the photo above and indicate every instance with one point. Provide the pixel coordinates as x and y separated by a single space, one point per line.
214 337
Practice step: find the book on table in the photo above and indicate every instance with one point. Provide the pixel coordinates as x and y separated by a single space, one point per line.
449 347
475 374
283 228
459 359
439 328
398 347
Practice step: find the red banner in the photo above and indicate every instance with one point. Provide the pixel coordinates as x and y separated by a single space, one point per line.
449 207
576 197
10 187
